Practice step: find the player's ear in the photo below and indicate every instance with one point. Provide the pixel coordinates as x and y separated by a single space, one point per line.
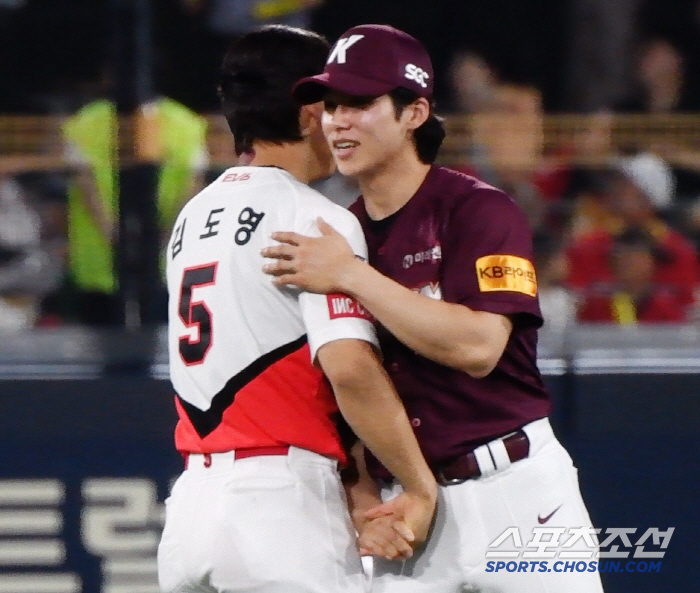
417 113
310 118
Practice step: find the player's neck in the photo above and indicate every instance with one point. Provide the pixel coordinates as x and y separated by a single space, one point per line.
388 188
293 157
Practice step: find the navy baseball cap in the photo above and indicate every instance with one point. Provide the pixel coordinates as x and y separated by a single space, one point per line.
370 60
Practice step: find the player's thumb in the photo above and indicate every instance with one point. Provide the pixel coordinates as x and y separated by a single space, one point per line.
324 227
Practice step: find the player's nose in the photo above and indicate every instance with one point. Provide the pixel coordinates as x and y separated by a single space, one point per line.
342 116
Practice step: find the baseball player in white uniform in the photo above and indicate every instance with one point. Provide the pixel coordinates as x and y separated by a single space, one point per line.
260 506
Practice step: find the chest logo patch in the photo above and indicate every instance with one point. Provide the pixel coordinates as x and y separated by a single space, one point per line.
430 255
506 273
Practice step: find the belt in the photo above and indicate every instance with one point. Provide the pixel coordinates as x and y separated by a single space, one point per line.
466 467
258 451
245 453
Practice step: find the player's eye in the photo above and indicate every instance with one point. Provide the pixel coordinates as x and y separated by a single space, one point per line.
352 102
362 102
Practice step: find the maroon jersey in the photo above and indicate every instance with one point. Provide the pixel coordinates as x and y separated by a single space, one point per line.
462 241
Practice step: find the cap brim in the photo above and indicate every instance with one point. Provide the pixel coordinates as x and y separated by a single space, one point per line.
313 88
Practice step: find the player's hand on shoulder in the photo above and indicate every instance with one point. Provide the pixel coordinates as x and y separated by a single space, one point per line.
314 264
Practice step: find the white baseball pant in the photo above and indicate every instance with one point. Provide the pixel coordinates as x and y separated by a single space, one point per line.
267 524
540 491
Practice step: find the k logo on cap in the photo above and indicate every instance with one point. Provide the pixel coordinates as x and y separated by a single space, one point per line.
371 60
338 52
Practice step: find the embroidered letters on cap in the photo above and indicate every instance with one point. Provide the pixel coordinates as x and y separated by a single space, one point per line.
417 74
506 273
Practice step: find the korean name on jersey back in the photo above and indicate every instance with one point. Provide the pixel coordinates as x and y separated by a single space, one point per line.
241 349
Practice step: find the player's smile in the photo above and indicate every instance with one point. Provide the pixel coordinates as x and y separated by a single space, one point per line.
344 149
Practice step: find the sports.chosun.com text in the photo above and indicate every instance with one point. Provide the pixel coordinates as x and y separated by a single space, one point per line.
573 566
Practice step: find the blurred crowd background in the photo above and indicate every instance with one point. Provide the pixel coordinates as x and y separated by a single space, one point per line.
587 112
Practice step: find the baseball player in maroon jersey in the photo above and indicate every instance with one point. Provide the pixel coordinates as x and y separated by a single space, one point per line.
453 289
260 507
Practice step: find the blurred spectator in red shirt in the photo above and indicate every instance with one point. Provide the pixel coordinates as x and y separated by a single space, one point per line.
633 296
638 190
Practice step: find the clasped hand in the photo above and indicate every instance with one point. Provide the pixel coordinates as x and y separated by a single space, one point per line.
394 529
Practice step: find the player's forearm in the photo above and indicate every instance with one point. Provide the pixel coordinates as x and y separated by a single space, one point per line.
450 334
373 410
384 426
363 494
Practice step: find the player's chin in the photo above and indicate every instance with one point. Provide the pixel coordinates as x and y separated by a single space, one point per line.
348 167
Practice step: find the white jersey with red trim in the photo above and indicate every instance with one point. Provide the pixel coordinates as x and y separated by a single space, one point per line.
241 349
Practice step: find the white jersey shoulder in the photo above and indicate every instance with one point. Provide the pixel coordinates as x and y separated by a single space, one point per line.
225 315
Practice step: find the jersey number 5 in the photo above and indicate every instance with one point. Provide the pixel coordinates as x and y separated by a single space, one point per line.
196 313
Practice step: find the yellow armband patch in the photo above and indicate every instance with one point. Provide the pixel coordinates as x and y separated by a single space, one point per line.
506 272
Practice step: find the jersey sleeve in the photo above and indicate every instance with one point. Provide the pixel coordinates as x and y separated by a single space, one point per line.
336 316
488 259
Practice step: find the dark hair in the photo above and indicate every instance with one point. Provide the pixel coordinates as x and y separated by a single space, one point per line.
640 239
428 137
257 76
